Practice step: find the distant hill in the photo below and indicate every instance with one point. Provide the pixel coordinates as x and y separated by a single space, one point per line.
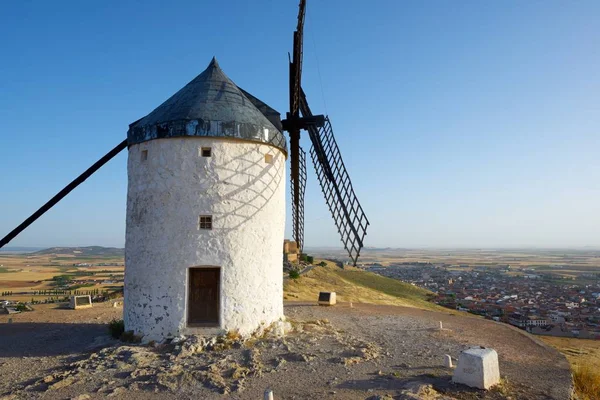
19 249
89 251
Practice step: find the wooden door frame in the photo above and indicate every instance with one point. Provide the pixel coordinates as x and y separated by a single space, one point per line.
187 297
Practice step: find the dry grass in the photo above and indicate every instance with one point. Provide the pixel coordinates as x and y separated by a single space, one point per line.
577 351
354 285
408 293
587 382
233 335
584 357
29 275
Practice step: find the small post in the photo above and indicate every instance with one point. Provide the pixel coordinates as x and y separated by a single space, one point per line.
441 326
351 306
10 320
268 394
447 361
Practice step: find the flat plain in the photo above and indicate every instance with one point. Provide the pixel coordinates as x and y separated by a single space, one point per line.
24 274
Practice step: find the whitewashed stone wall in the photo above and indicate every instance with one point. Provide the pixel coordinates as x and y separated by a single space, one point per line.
167 193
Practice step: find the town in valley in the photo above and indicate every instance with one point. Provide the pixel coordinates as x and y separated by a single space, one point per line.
553 292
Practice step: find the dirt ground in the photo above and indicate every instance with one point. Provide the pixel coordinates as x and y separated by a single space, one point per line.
339 352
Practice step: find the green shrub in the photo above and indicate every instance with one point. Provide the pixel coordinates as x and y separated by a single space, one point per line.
130 337
116 327
294 274
322 264
116 294
306 258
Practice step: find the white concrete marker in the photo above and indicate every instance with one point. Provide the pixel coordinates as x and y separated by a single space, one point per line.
268 394
447 361
477 367
77 302
351 306
327 298
441 326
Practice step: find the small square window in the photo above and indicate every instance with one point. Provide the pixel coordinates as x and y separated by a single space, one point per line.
269 158
144 155
206 222
206 152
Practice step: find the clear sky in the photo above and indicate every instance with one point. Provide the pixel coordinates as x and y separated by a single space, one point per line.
462 123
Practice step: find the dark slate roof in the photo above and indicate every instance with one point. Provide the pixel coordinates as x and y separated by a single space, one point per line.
211 105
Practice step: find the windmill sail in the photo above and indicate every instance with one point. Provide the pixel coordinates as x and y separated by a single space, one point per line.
65 191
298 206
297 156
343 204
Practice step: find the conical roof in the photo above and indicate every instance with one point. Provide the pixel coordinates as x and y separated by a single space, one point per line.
210 105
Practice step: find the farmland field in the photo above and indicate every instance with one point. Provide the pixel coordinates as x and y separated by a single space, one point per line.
28 276
578 265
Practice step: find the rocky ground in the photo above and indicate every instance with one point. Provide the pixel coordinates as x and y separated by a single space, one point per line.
344 352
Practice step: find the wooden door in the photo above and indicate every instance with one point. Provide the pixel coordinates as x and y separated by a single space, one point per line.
203 296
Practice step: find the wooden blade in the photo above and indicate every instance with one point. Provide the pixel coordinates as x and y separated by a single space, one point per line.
60 195
298 187
333 177
296 63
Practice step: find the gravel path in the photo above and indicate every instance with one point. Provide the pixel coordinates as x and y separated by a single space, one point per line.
411 335
362 352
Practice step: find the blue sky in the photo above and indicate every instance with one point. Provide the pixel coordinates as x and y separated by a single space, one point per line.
463 124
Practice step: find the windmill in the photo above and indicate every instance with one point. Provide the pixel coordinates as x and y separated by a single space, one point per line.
331 172
333 177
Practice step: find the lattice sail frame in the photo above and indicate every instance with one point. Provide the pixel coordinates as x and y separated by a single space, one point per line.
298 213
336 186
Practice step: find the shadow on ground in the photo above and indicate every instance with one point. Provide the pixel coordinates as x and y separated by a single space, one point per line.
29 339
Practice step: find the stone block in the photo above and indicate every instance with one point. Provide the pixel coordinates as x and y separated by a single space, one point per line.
448 361
477 367
327 298
77 302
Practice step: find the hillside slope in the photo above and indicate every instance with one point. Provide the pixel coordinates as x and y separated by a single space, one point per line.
358 286
89 251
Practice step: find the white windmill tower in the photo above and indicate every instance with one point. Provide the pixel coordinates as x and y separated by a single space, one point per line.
205 212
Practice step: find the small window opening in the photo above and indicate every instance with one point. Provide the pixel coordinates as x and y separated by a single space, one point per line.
206 152
144 155
206 222
269 158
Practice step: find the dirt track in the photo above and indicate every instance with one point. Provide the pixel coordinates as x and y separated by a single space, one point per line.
410 350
